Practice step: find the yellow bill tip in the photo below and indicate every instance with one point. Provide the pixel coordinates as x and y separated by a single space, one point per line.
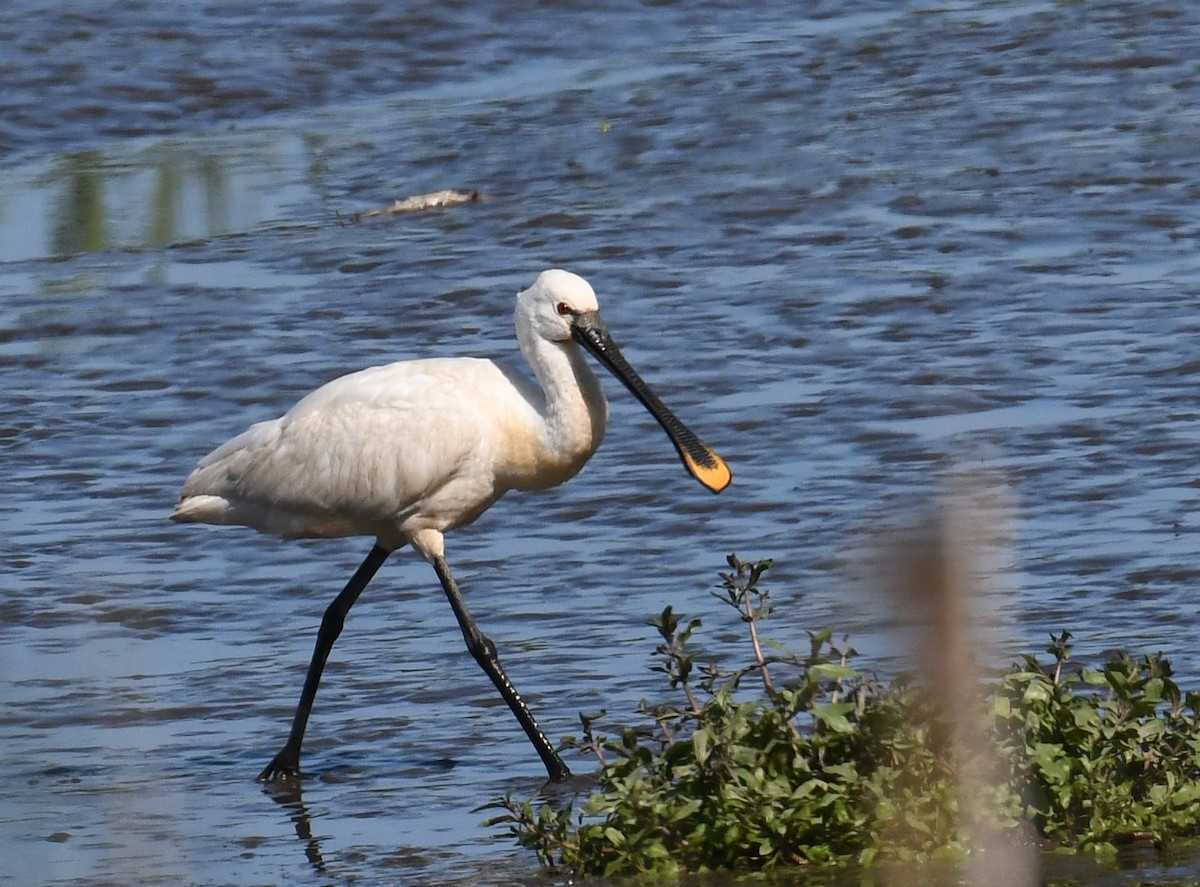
712 472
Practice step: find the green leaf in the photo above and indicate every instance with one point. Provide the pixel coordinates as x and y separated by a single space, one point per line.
831 670
1049 758
614 837
1037 691
1151 729
833 715
1084 715
1153 690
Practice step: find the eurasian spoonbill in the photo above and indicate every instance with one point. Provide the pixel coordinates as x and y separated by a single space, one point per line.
405 452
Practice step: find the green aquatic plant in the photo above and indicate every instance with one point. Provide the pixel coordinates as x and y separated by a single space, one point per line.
1110 755
822 763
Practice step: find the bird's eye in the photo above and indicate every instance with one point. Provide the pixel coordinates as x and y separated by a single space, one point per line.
563 308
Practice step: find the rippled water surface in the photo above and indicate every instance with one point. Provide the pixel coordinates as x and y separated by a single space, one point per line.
866 250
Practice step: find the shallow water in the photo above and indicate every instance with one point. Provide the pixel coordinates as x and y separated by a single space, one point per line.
866 254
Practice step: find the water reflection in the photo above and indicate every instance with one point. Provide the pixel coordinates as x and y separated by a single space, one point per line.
290 796
132 195
78 224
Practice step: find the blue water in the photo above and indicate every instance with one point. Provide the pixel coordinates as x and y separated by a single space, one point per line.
873 255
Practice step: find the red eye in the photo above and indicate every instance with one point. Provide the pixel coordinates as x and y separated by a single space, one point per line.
563 308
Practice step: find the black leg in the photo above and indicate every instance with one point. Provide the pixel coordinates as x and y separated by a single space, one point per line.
286 764
484 652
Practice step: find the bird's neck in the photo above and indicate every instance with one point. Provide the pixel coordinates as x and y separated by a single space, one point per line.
575 412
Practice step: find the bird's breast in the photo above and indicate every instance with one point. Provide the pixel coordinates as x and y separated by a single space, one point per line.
550 444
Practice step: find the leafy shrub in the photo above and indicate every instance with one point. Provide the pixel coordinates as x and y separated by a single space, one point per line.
1110 755
832 766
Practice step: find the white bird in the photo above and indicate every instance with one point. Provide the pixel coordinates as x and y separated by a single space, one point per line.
407 451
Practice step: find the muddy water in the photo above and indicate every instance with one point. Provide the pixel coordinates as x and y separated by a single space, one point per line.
865 253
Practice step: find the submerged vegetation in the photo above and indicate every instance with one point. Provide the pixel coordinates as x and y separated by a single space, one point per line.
823 763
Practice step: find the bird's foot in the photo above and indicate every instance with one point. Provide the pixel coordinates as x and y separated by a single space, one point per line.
556 769
284 767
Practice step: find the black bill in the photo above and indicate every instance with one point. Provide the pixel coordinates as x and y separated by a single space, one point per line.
701 462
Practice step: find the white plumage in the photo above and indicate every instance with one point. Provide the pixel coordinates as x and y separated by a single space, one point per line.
408 451
417 445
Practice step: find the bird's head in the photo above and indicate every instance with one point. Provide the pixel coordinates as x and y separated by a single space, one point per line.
554 301
561 307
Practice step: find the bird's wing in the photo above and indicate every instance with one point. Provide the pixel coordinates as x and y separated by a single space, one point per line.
370 449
